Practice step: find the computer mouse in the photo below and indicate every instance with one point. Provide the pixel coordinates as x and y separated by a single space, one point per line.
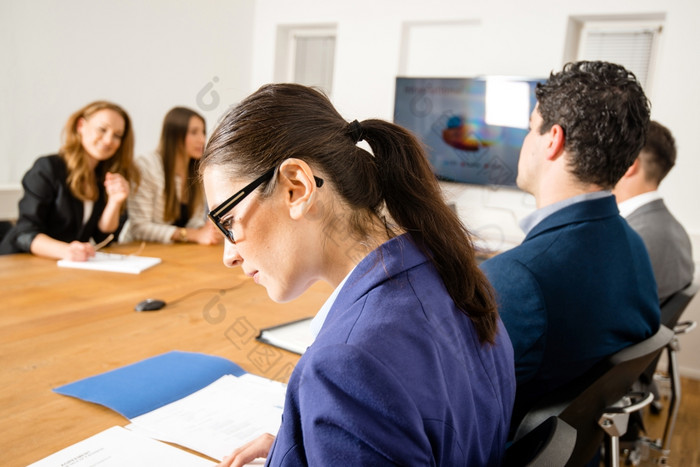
150 304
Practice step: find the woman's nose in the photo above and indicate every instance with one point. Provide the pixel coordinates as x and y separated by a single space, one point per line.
108 138
231 256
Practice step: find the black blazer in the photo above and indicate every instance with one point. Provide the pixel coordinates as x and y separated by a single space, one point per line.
49 207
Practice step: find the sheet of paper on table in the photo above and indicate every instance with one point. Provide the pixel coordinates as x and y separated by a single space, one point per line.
112 262
219 418
117 447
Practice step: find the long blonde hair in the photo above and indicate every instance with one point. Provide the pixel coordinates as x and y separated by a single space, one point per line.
81 180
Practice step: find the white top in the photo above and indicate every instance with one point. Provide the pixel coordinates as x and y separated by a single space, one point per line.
146 205
88 205
627 207
320 318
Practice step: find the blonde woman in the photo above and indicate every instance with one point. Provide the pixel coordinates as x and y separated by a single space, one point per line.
76 197
169 204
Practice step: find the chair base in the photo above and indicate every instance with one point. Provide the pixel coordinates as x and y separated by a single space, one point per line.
645 452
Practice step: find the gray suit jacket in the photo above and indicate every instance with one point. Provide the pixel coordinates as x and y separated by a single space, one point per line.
668 245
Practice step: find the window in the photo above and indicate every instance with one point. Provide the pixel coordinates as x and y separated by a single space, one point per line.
630 42
306 55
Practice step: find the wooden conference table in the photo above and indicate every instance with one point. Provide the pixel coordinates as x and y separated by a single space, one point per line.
58 325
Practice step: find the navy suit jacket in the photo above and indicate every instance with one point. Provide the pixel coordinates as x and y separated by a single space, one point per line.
397 376
580 287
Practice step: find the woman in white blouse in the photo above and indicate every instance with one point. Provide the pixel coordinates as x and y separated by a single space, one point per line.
168 206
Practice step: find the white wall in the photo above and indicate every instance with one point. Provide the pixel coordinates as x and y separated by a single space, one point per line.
689 354
148 57
516 38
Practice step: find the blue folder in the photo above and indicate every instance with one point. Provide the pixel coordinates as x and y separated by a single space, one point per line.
144 386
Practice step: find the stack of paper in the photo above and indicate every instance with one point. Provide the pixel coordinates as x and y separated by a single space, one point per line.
219 418
117 447
113 263
205 403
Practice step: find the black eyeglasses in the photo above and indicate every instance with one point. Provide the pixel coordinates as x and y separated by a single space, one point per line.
216 214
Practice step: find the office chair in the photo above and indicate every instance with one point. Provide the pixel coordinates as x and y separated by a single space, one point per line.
671 311
598 404
550 444
5 227
644 448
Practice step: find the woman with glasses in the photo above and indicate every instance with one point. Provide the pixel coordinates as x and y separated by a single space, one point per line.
77 197
410 364
169 204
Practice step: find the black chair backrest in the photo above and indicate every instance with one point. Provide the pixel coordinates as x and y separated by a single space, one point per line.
582 402
671 311
5 227
673 307
550 444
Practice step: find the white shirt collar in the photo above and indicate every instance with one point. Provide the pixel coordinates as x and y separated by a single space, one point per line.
320 318
628 206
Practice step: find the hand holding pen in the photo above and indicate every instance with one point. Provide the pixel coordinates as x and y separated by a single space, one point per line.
80 251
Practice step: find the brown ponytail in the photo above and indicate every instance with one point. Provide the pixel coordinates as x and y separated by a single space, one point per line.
282 121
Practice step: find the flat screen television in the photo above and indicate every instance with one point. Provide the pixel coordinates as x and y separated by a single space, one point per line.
472 128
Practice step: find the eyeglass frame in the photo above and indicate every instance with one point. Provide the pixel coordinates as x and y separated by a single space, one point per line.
216 214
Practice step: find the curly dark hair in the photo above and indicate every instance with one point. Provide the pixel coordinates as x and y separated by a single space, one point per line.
604 113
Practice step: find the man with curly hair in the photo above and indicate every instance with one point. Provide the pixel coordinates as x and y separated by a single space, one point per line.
580 286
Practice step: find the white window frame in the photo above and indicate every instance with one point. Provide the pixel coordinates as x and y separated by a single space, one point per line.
624 26
287 52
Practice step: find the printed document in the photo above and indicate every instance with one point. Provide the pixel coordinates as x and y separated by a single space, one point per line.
118 447
219 418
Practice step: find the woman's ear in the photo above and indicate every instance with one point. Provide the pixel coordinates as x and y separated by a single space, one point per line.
299 187
79 125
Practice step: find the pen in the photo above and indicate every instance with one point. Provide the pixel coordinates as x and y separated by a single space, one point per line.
104 242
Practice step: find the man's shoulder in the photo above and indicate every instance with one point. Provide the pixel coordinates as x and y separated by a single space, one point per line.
652 217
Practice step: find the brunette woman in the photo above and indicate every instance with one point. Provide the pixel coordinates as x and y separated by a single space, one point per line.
169 204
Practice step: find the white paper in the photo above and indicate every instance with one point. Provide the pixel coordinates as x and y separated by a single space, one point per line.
219 418
112 262
119 447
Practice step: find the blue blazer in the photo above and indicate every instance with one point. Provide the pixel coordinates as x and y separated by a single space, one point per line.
397 376
579 288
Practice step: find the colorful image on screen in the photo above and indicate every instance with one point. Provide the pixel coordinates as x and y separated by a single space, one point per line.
472 128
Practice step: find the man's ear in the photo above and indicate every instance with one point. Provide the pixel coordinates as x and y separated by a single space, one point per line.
297 181
555 145
633 169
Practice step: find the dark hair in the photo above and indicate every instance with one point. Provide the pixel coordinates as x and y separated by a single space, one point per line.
282 121
659 152
172 140
604 114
